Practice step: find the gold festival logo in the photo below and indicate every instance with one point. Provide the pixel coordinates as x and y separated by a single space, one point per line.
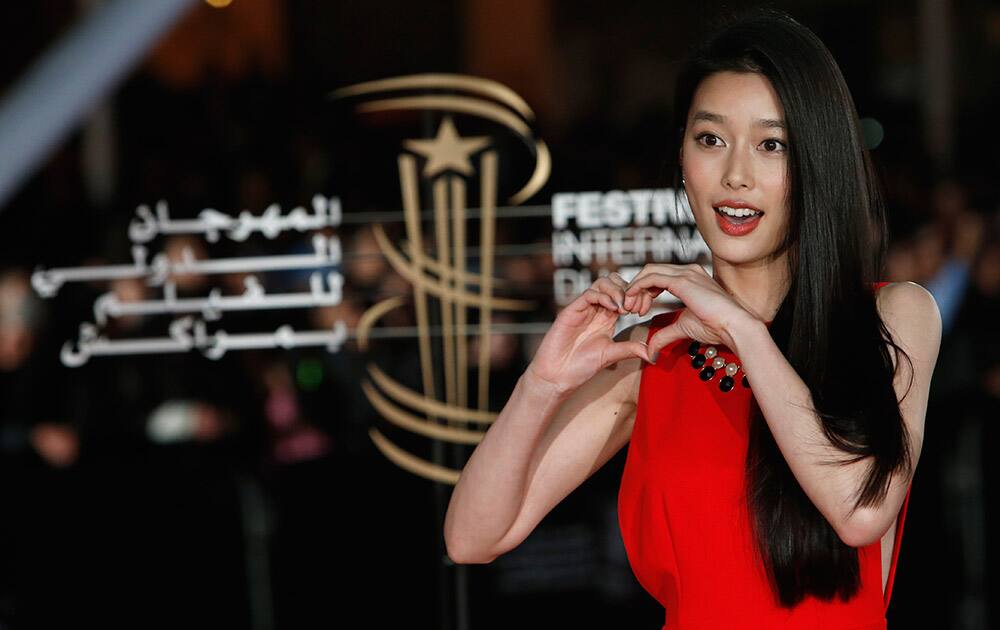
448 161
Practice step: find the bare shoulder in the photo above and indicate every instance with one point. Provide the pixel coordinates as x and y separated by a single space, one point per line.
911 314
910 311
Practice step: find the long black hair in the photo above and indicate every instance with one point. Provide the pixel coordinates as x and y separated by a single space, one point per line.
828 325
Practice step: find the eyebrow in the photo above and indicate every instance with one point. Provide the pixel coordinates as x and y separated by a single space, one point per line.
718 118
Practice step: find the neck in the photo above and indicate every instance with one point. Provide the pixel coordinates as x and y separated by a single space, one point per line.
758 286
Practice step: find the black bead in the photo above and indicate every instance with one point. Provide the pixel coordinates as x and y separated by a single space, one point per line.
698 361
746 383
726 383
707 373
693 348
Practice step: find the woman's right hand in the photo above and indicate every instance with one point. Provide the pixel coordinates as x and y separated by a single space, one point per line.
579 344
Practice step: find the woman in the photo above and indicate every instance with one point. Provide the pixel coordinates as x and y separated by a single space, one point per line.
772 509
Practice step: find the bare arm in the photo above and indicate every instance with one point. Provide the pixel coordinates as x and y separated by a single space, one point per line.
546 441
912 316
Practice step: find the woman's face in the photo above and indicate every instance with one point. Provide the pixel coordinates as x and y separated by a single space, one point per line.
735 153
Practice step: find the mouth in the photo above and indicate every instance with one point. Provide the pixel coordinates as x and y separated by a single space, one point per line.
732 223
735 209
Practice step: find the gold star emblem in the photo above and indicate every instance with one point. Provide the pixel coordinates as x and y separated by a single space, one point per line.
448 150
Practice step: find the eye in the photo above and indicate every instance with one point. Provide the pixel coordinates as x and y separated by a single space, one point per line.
775 141
708 135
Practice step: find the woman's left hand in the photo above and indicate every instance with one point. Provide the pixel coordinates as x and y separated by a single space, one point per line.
709 309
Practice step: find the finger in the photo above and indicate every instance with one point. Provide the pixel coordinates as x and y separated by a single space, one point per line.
645 294
653 268
585 300
582 302
608 285
621 350
647 302
629 302
602 299
616 277
663 338
638 284
620 285
661 281
646 281
632 303
641 274
642 298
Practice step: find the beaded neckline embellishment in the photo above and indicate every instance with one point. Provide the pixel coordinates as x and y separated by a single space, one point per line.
710 362
715 363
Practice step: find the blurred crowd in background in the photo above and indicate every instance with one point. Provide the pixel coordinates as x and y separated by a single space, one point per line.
174 489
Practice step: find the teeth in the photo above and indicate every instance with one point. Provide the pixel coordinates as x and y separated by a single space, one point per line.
738 212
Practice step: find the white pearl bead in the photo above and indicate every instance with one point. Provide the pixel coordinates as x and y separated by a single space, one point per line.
718 363
731 369
711 352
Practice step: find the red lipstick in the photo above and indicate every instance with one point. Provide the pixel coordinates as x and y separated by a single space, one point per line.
736 226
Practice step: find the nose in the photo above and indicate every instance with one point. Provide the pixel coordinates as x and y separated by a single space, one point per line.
739 171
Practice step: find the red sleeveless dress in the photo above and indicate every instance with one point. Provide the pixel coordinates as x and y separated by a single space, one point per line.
683 515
